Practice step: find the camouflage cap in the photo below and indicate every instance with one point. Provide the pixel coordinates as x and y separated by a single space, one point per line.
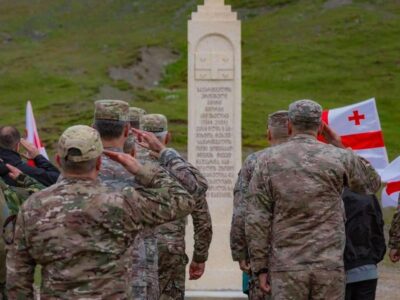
305 111
83 138
114 110
135 116
154 123
278 119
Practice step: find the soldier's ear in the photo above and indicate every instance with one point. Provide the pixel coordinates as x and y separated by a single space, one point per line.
290 128
269 135
127 130
58 160
167 138
98 163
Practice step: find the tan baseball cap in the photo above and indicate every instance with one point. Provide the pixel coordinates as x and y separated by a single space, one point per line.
83 138
113 110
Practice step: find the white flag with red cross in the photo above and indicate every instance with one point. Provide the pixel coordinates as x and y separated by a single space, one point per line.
391 175
32 134
359 127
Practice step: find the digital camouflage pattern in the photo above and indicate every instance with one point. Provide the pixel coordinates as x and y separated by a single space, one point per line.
237 238
308 284
112 110
135 116
155 123
296 191
171 236
80 231
394 233
305 111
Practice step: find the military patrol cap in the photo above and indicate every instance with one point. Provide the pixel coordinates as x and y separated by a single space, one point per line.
83 138
135 115
305 111
155 123
278 119
113 110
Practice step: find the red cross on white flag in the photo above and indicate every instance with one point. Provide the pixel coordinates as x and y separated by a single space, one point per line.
391 175
360 129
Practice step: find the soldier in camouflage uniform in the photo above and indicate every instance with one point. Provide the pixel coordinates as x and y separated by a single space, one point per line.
111 119
277 133
134 118
11 198
172 258
394 237
80 230
295 215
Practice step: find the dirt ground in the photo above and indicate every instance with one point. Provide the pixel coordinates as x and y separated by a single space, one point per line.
389 283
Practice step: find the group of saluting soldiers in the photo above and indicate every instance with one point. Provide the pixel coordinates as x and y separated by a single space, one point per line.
288 226
96 231
112 226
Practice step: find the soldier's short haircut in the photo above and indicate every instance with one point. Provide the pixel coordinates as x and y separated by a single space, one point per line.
110 129
278 124
9 137
77 167
306 126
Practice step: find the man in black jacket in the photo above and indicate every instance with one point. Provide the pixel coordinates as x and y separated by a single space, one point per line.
10 141
365 245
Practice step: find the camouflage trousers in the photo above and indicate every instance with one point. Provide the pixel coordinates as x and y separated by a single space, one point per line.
172 268
255 292
313 284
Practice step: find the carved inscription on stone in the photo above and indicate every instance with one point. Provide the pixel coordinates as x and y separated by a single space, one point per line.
214 140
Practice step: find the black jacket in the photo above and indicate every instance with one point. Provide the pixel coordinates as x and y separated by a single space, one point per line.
365 240
44 172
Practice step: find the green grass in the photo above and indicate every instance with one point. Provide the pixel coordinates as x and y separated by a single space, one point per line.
61 51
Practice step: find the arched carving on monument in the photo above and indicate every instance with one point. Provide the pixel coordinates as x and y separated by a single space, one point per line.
214 58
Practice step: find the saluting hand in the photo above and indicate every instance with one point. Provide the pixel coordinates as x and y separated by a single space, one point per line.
129 163
31 150
13 171
331 136
149 141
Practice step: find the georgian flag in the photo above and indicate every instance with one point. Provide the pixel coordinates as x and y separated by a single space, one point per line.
391 175
359 127
32 135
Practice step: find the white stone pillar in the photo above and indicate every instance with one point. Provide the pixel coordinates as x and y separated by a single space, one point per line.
215 93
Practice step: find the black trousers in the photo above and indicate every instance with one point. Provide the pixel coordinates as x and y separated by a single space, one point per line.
363 290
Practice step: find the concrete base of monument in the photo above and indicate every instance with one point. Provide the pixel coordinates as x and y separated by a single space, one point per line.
214 295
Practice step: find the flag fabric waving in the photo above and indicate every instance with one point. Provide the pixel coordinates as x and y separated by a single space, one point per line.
391 175
359 127
32 135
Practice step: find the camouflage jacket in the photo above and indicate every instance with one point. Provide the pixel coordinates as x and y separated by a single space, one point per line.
171 236
394 232
295 215
16 195
238 238
144 263
80 232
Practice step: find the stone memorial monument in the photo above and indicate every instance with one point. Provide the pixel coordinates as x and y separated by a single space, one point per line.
215 96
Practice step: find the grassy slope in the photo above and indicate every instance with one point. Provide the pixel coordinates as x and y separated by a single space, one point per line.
295 51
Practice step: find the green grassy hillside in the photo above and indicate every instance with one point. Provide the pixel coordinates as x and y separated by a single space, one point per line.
58 53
